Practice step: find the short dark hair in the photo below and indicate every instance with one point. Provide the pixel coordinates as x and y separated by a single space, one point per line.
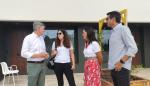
116 15
90 34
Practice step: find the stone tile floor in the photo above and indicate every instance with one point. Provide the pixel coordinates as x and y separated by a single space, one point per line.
50 80
142 73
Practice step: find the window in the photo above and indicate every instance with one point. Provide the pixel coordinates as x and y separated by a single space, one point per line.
106 32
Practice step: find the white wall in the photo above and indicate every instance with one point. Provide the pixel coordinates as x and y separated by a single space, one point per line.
72 10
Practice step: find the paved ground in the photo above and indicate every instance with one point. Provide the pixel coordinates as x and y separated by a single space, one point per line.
142 73
50 80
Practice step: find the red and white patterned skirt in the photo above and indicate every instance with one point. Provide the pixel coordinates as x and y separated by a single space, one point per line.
92 72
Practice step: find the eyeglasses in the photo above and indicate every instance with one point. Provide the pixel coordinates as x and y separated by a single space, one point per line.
59 33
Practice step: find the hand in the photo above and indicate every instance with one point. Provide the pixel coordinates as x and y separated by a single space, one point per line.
118 66
55 52
40 55
44 55
73 67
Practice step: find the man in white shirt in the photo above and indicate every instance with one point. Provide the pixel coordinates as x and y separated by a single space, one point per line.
122 48
34 50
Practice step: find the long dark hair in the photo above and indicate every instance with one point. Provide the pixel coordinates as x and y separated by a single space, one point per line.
66 41
90 34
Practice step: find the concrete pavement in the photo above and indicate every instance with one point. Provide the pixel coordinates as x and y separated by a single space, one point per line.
50 80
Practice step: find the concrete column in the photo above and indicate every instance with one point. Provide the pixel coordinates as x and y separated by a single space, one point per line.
147 46
80 65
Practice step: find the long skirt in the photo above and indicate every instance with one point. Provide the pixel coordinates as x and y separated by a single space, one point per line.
92 72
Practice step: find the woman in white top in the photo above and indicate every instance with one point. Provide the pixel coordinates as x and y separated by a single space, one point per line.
62 51
93 58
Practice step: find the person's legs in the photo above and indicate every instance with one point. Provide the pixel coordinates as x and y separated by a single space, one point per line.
33 74
95 73
114 77
124 77
121 78
41 79
69 74
87 82
58 69
92 76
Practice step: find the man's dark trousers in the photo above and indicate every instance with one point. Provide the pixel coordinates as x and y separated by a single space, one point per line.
121 78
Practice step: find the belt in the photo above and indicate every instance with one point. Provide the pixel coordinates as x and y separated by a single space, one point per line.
87 58
36 61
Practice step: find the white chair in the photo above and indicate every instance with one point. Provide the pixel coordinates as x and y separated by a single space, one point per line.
8 71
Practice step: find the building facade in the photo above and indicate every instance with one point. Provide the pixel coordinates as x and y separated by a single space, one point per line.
17 16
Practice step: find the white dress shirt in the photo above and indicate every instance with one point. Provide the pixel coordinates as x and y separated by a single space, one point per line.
91 49
63 54
121 43
33 44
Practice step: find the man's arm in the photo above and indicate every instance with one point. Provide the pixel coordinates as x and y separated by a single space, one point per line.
130 45
25 51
